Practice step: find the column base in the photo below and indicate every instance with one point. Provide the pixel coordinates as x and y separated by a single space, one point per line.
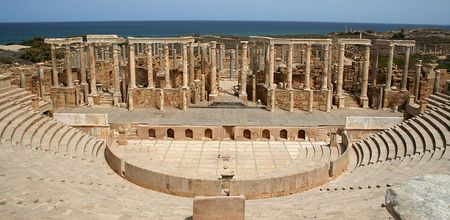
116 99
93 99
340 101
243 97
212 97
291 101
310 101
364 102
270 100
329 101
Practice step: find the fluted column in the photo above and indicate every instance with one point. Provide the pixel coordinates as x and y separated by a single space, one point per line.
213 69
244 70
132 66
116 73
436 81
149 59
271 64
289 66
417 79
82 64
68 55
389 68
373 80
167 67
191 65
340 79
365 79
185 65
325 67
308 67
54 67
93 81
232 63
405 69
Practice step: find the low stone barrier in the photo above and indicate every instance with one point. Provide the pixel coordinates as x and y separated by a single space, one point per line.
219 207
291 180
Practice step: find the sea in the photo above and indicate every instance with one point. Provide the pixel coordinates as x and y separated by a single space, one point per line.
18 32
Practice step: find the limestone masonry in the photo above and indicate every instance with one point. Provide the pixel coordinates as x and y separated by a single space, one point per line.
208 128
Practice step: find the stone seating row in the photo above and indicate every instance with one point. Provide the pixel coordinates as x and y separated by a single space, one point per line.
20 124
426 132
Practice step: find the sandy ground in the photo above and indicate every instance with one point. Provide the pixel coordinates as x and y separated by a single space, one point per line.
14 48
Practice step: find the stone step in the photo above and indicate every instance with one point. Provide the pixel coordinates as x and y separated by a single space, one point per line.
444 96
23 127
440 99
11 129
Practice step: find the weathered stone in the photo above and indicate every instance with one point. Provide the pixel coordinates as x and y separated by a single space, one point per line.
421 197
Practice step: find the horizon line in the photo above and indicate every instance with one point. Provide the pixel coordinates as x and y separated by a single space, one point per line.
194 20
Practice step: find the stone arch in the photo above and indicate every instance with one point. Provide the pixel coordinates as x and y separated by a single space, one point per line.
265 134
189 134
247 134
170 133
301 134
284 134
208 133
151 133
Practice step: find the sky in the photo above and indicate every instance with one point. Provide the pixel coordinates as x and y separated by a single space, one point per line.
362 11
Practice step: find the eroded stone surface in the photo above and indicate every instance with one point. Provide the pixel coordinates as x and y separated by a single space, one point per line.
421 197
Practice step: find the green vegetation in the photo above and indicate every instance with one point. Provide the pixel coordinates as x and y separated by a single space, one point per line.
6 60
383 60
38 51
444 65
399 35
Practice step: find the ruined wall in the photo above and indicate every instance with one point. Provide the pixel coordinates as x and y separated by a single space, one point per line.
145 98
282 99
301 99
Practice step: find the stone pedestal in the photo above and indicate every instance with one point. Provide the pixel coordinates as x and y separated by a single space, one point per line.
122 137
270 99
329 101
130 99
184 97
161 99
291 101
364 102
310 100
340 100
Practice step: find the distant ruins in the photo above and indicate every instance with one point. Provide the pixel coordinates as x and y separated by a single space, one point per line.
221 122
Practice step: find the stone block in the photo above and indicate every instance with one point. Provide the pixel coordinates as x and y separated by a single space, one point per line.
219 207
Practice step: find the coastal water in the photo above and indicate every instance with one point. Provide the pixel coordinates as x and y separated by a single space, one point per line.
19 32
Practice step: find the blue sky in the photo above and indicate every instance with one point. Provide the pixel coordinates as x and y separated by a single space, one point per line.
373 11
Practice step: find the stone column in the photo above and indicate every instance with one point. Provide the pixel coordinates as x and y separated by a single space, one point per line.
340 79
132 64
308 67
69 67
41 82
405 69
191 65
185 66
213 71
417 79
365 79
54 67
325 67
271 64
389 68
236 64
232 62
244 71
374 67
254 70
289 66
93 81
174 57
149 59
82 64
302 56
167 67
116 73
221 57
436 81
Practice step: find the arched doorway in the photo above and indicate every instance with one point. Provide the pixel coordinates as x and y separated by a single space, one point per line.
301 134
266 134
189 134
247 134
151 133
208 133
283 134
170 133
